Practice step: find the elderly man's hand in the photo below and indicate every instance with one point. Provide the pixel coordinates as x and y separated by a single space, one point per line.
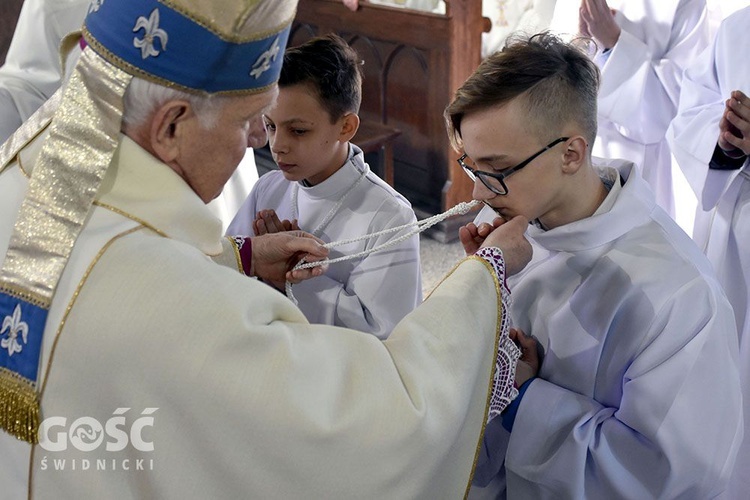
510 238
275 255
597 20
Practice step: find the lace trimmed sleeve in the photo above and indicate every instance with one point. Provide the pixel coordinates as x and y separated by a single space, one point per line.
503 383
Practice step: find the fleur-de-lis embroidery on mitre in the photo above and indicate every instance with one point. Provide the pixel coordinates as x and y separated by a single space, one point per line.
95 5
153 31
263 63
14 325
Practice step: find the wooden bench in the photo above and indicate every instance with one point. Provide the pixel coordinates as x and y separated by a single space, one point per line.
9 11
375 137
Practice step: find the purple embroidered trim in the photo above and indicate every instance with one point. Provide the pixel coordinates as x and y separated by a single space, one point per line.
494 256
503 383
245 251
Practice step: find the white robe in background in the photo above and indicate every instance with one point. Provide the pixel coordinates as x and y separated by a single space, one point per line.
640 84
638 395
722 224
371 293
236 190
721 9
32 71
523 16
434 6
248 400
506 16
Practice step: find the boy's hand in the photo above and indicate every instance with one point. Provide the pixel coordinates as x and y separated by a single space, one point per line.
531 356
267 222
472 236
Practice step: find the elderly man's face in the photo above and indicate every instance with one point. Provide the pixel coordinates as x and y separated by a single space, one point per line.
209 156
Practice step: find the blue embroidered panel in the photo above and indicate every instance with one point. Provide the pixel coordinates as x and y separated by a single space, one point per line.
21 330
168 45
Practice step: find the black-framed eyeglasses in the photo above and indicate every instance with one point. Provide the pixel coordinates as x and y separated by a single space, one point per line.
496 182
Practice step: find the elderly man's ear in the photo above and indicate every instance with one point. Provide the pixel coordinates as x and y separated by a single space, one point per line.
168 128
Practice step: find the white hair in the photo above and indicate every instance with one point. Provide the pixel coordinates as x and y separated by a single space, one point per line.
142 98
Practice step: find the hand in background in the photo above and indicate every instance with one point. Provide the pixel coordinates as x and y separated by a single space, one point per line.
352 4
531 359
597 20
734 127
267 222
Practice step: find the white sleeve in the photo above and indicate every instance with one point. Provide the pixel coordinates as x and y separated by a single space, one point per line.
640 90
32 71
707 84
661 439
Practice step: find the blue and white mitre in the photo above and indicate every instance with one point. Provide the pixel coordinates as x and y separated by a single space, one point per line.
197 46
218 47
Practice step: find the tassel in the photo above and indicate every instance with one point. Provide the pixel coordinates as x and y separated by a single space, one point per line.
19 407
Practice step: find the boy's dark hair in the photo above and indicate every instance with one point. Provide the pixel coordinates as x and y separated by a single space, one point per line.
331 67
558 81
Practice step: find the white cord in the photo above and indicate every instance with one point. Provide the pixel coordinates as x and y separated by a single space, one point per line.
331 213
460 209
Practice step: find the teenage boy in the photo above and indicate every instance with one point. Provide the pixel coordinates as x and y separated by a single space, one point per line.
324 186
637 395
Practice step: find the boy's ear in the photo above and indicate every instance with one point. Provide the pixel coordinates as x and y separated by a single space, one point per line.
349 126
167 127
574 155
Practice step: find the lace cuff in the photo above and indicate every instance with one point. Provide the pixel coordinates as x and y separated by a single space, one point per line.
244 250
503 382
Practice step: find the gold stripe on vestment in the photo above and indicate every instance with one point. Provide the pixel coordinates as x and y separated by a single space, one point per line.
83 137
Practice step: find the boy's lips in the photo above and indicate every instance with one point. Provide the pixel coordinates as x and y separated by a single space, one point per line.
285 166
497 210
504 212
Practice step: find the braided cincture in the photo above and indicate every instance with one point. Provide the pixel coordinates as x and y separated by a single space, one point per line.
460 209
508 354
